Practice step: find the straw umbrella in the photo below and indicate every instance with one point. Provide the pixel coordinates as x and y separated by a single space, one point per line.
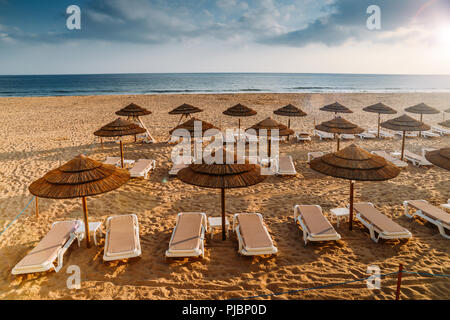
239 111
119 128
445 123
271 125
405 123
422 109
185 110
336 108
355 164
441 158
380 108
133 112
222 176
79 178
339 126
290 111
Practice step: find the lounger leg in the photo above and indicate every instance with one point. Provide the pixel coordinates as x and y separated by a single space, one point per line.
442 231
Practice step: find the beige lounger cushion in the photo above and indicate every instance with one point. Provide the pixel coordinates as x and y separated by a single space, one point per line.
431 211
121 236
188 232
141 166
379 220
254 236
47 249
285 164
315 221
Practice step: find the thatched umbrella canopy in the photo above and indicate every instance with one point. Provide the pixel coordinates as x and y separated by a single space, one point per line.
133 112
271 125
422 109
405 123
239 111
119 128
222 176
185 110
445 123
340 126
441 158
290 111
79 178
354 163
336 108
380 108
190 126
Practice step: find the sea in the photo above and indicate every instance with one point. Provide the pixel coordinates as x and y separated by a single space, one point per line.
217 83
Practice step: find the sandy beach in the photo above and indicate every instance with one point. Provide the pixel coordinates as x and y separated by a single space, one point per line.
40 134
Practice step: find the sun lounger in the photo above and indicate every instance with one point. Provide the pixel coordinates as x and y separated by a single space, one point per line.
122 238
302 136
323 135
399 163
426 149
313 223
179 164
446 206
408 134
313 155
52 247
188 236
430 213
253 237
440 130
345 136
114 161
378 223
416 159
286 166
430 134
366 135
142 168
383 134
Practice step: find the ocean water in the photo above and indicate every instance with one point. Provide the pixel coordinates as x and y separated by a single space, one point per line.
150 83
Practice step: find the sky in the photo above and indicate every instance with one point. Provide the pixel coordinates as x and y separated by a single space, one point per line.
294 36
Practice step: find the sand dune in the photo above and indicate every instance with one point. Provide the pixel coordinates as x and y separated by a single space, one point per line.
39 134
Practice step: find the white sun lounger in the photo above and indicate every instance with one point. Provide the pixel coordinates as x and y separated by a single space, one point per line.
408 134
188 235
366 135
313 155
399 163
378 223
114 161
427 149
383 134
314 225
432 214
430 134
446 206
252 235
52 247
345 136
122 238
323 135
142 168
440 130
285 166
302 136
416 159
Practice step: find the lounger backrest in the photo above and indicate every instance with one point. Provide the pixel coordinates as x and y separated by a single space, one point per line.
285 163
315 220
188 232
47 249
379 220
431 211
252 231
121 235
141 165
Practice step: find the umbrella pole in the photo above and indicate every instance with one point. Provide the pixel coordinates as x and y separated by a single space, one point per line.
224 236
338 140
37 207
270 147
101 142
289 126
379 120
421 118
86 222
121 153
403 145
350 219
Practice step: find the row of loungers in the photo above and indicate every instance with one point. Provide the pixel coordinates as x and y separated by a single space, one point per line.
187 240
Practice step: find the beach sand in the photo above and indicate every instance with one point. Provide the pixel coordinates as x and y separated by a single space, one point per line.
39 134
